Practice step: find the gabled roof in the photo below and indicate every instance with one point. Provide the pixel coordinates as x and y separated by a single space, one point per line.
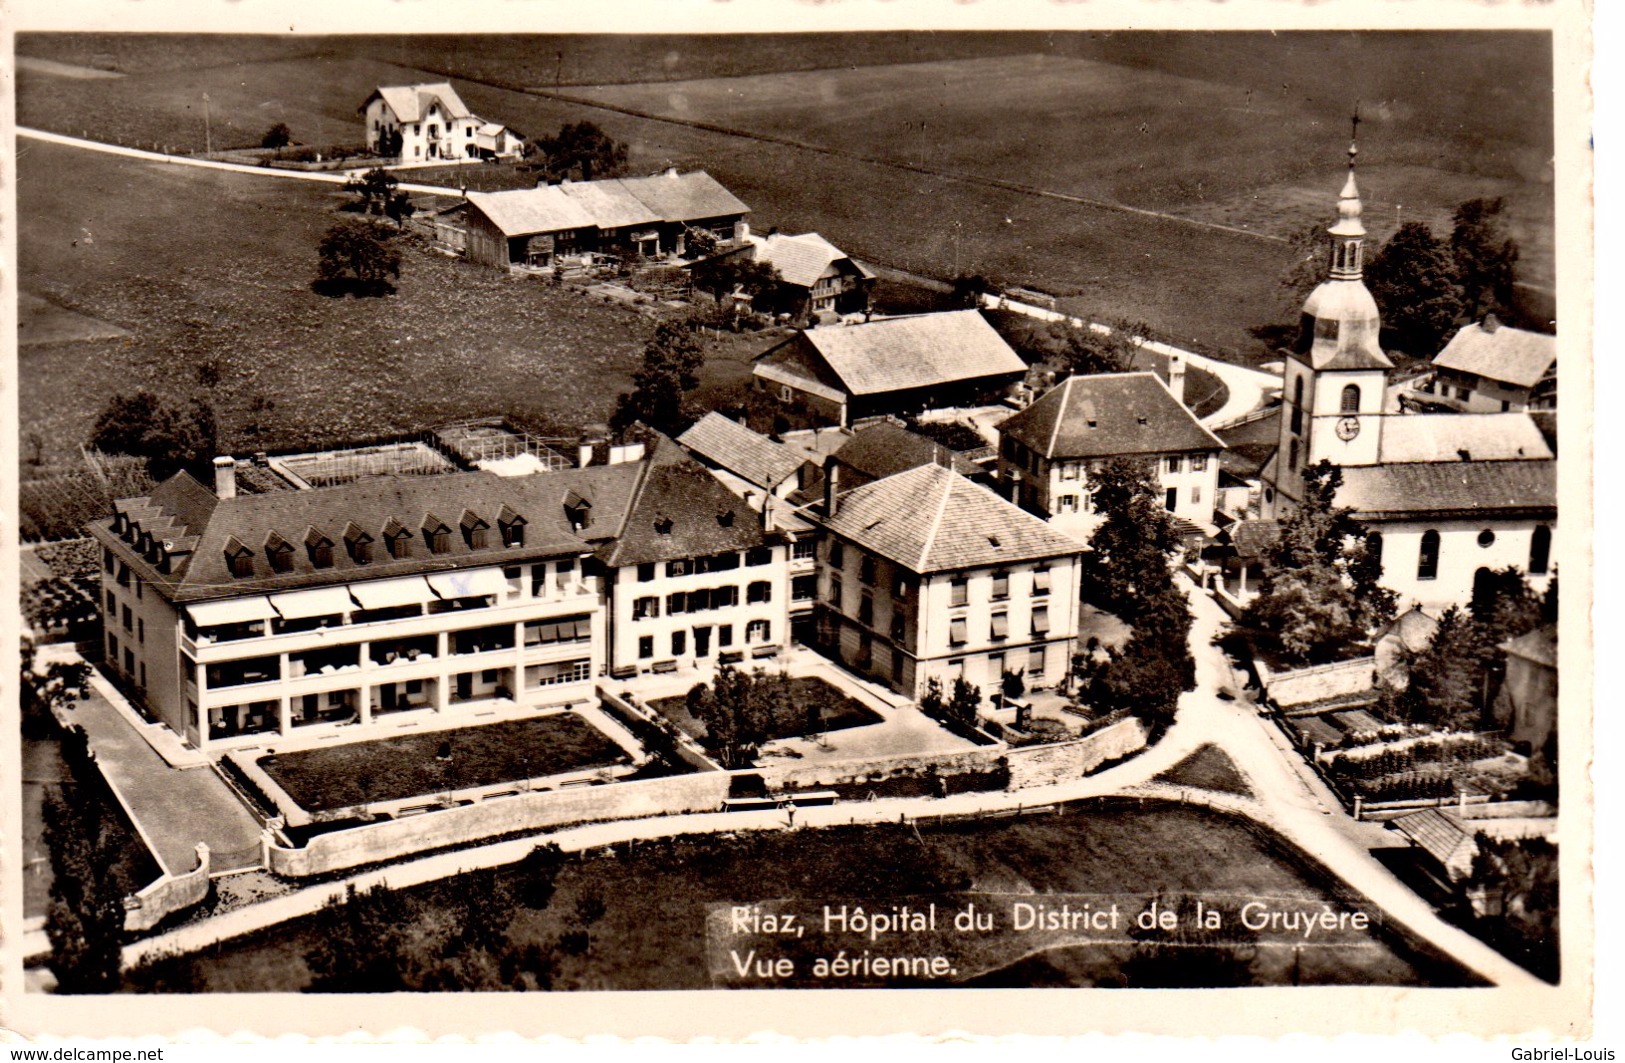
920 351
800 260
411 102
1439 489
1449 436
527 211
1499 352
1108 415
1539 646
610 204
1441 836
680 510
1413 628
930 519
192 512
730 445
1254 539
885 449
684 197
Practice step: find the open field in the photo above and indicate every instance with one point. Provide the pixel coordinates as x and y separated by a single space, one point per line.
1244 130
652 932
217 267
393 768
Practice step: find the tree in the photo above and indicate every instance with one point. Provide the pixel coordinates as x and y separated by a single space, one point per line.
389 143
357 258
1486 257
378 193
1320 597
581 149
1086 351
723 275
361 946
1147 676
932 702
700 243
1127 563
539 871
671 365
1012 685
170 438
969 288
84 919
1413 279
277 137
965 703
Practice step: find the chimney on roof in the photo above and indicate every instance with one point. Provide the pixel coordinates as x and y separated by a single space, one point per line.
1176 375
832 485
770 514
225 477
671 171
1491 323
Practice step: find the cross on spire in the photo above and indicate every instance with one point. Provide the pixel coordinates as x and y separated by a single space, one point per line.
1354 135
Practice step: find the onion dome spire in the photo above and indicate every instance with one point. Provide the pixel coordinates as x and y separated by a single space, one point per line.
1348 235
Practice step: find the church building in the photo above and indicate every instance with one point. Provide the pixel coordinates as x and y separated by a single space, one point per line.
1447 496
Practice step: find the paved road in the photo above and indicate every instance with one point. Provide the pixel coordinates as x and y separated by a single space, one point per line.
335 178
1246 386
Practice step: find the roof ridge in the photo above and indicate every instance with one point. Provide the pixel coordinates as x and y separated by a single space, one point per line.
1055 429
936 521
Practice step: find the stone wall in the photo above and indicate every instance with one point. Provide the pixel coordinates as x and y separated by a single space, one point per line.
167 895
1304 686
838 772
393 839
1042 765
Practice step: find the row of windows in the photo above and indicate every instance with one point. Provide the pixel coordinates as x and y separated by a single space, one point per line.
698 601
755 631
1427 561
398 541
998 626
690 566
959 586
1176 463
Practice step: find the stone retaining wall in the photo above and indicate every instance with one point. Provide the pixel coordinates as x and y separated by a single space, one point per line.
869 769
167 895
1043 765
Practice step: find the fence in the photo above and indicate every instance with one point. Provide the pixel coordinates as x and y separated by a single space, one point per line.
169 894
518 814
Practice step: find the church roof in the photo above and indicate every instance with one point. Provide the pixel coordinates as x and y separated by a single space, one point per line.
1501 353
1347 324
1446 437
1443 489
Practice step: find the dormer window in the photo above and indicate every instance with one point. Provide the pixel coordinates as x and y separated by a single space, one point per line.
512 527
358 543
436 536
239 558
578 511
279 552
663 525
475 529
397 539
320 549
726 518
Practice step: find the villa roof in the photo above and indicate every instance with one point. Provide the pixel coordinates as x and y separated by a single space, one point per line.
1107 415
1499 352
411 102
930 519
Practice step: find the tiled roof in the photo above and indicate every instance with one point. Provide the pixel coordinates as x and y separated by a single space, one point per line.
684 197
920 351
411 102
1249 446
800 260
185 509
730 445
1440 835
1413 629
526 211
1539 645
885 449
929 519
1465 488
1448 436
1499 352
1253 539
1107 415
610 203
680 510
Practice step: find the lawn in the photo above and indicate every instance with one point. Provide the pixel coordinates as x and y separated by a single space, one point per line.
651 934
217 266
392 768
1209 768
840 710
1242 130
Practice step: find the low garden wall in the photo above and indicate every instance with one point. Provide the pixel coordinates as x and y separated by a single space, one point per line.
168 895
1323 682
393 839
657 733
1042 765
871 769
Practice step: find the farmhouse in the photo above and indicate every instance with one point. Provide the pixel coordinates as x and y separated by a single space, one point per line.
432 122
1447 496
1491 367
646 216
926 575
1046 452
894 365
819 277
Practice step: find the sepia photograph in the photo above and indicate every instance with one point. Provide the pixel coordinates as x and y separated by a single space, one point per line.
595 514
